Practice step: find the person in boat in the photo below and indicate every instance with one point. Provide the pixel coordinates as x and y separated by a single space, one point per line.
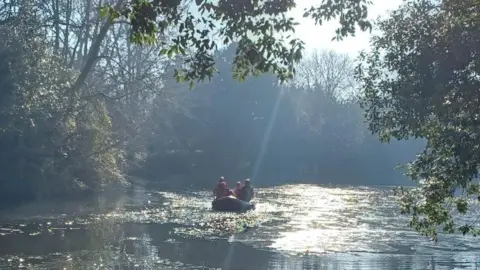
246 192
222 191
238 189
218 186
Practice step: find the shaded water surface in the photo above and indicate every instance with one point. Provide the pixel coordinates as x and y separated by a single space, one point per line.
293 227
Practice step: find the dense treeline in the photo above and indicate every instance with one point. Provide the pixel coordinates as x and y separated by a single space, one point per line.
310 130
59 138
68 130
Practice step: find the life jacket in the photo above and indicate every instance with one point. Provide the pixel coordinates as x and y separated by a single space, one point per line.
238 190
221 190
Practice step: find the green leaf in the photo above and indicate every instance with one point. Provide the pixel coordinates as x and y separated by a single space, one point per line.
104 11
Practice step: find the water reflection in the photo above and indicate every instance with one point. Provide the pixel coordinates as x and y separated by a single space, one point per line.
294 227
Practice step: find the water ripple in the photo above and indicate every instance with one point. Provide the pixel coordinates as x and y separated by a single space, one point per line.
293 227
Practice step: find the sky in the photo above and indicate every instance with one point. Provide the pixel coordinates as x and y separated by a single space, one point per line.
319 37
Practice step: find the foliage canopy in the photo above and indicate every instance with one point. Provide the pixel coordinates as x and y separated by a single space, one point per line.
421 80
261 29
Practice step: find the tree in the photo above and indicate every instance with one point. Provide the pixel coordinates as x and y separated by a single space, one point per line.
260 28
327 110
324 86
421 81
44 148
56 141
331 72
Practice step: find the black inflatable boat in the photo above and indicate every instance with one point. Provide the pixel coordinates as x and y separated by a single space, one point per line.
231 204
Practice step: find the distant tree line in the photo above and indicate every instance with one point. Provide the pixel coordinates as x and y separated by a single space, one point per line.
310 130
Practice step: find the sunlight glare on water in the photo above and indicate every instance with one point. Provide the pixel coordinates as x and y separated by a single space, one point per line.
324 220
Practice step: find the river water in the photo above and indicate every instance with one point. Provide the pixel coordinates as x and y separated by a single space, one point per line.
293 227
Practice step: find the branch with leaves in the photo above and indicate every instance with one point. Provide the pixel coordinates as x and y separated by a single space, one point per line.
262 30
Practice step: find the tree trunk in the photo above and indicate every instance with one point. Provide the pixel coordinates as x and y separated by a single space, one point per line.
93 53
66 39
56 23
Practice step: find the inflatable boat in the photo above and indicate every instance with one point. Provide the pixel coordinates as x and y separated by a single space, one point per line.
231 204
